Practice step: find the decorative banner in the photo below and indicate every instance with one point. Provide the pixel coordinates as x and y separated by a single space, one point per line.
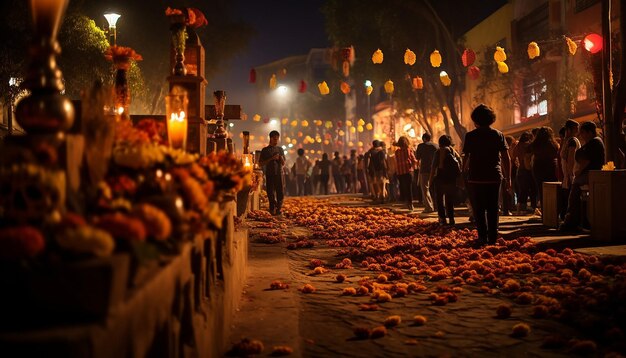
409 57
503 67
369 90
345 88
445 79
571 46
323 87
360 122
533 50
435 59
389 87
256 118
377 57
273 82
417 83
302 86
369 126
473 72
499 55
252 77
468 57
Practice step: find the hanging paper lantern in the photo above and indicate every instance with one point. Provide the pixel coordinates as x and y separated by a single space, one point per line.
350 144
345 88
360 122
377 57
359 128
294 123
273 82
252 77
326 142
417 83
533 50
348 123
571 46
389 87
302 86
294 142
445 79
369 90
499 55
266 120
284 120
468 57
300 134
329 124
352 130
318 139
473 72
318 122
409 57
304 123
256 117
345 68
503 67
369 126
323 87
341 133
435 59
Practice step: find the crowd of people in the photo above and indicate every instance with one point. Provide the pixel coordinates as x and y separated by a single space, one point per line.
493 174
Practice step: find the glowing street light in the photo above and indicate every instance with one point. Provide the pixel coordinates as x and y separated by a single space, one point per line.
282 90
112 20
368 83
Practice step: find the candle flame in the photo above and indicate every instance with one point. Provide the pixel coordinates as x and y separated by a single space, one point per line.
178 117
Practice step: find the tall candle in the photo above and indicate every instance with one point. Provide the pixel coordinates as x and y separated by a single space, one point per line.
177 130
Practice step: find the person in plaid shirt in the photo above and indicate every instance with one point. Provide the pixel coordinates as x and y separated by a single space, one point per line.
405 162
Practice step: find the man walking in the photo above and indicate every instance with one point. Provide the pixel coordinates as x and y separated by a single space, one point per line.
302 169
424 155
272 160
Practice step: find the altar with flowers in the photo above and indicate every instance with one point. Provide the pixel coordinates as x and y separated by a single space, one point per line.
119 235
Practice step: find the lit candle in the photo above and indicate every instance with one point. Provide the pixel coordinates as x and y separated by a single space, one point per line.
177 130
47 15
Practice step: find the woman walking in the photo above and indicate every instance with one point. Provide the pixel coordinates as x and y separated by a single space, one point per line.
445 170
405 162
324 174
545 152
488 163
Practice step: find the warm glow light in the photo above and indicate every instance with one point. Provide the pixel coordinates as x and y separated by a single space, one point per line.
282 90
120 110
593 43
407 127
273 121
112 19
177 130
368 83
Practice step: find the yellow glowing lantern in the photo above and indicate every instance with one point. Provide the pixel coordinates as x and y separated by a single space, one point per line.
445 79
252 137
318 139
348 123
287 140
383 136
284 120
409 57
304 123
533 50
376 136
352 130
571 46
369 126
329 124
345 88
377 57
294 123
300 134
435 58
273 82
369 90
256 117
294 142
499 55
319 152
360 129
360 144
389 87
360 122
323 87
350 144
417 83
341 132
318 122
503 67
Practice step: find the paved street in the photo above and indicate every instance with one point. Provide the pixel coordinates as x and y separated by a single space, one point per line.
410 287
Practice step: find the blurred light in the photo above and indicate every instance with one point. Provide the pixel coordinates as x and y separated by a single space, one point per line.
285 152
284 147
290 145
273 121
406 127
368 83
593 43
112 19
282 90
231 124
12 81
411 133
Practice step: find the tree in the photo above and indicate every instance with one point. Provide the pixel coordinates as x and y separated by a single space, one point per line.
394 26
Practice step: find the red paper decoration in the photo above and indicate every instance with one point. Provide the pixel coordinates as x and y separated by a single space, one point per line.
252 77
468 57
302 87
473 72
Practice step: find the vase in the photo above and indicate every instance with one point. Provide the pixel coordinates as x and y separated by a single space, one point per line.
179 36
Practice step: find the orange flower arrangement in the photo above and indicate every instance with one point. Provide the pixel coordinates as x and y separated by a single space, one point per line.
121 56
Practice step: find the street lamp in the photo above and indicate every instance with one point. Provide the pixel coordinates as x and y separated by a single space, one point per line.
112 20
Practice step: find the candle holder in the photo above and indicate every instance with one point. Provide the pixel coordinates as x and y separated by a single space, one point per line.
45 110
176 117
220 103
